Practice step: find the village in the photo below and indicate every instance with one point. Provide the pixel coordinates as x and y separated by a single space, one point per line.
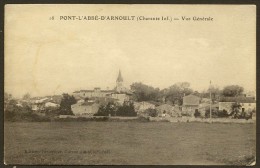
130 84
114 102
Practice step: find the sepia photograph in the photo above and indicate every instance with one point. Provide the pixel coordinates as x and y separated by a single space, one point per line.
121 84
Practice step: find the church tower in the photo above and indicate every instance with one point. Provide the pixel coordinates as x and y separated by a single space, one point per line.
119 82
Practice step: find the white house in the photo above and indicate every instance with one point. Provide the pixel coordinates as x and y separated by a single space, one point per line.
50 104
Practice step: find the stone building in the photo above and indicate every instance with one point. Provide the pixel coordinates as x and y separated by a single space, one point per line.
190 104
120 93
248 104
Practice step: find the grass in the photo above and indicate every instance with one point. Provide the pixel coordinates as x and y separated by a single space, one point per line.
113 143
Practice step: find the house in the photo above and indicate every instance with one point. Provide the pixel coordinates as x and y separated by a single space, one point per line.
55 98
251 94
84 109
81 101
51 105
227 106
120 92
120 97
248 104
39 104
168 109
97 92
190 104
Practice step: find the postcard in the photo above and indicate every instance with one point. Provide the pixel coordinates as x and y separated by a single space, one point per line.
95 84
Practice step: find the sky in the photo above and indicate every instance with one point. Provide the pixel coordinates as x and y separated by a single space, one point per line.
47 57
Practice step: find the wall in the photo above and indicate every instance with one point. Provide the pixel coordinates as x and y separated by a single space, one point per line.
248 106
226 106
80 109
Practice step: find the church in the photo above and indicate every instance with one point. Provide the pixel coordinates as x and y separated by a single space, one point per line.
120 93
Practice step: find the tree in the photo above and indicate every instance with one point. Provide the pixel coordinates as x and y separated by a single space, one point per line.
27 96
127 109
151 112
176 92
65 105
232 90
142 92
7 96
236 110
215 92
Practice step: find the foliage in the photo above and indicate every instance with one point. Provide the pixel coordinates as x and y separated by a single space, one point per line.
7 96
52 112
127 109
197 114
215 93
65 105
142 92
237 113
27 96
108 110
223 114
232 90
236 110
176 92
216 113
17 113
151 112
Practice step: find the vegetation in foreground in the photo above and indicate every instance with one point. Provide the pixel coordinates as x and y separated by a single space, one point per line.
84 143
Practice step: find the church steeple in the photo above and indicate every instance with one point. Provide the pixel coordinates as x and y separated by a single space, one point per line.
119 82
119 78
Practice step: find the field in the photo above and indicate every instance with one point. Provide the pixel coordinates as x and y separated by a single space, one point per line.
106 143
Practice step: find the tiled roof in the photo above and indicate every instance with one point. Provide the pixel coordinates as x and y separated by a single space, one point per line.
237 99
191 100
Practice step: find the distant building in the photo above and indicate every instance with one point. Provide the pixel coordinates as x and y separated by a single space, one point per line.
39 105
85 109
190 104
251 94
227 106
53 105
248 104
119 83
120 93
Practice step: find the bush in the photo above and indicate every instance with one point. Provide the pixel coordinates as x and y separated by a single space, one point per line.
223 114
216 113
24 116
151 112
65 105
127 109
108 110
197 114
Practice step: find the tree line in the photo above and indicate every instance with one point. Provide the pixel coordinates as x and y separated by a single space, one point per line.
175 93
